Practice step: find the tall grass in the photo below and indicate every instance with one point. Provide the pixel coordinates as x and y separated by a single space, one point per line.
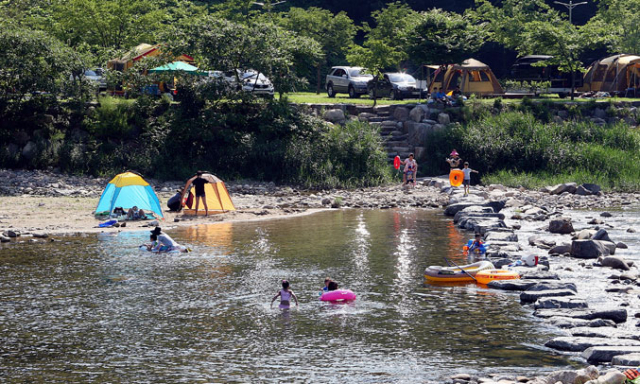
516 148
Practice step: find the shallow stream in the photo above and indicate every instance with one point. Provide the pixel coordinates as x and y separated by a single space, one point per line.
96 309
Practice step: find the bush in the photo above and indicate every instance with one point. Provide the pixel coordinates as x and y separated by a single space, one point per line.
515 143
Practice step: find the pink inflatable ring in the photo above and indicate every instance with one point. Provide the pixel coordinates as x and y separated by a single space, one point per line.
338 295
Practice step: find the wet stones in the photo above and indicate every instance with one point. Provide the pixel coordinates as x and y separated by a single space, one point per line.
533 296
615 262
560 302
591 249
605 354
562 225
579 344
616 315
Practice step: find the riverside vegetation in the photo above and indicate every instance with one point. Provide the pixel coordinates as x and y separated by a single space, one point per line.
267 140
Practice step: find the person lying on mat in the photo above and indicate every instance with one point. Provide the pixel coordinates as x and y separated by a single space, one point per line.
136 214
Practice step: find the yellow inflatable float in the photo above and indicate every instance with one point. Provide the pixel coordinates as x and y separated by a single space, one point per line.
487 276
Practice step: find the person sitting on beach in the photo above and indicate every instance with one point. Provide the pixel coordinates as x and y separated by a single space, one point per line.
285 295
135 214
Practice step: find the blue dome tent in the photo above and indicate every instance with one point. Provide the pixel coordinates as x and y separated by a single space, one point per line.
127 190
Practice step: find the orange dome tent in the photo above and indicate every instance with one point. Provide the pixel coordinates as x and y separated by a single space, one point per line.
216 195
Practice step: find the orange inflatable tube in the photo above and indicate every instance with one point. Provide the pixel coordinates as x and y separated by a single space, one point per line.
455 177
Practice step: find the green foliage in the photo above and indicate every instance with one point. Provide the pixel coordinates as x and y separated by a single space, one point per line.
230 46
347 155
616 26
334 33
516 143
444 38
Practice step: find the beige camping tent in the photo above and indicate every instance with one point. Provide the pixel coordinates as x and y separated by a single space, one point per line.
140 51
472 76
613 74
216 195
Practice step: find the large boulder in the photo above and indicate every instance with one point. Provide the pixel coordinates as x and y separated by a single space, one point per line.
560 302
561 188
30 150
401 114
417 114
562 225
591 249
444 119
533 296
335 116
607 353
629 360
579 344
615 262
593 188
549 285
617 315
612 376
572 377
417 132
602 235
500 236
585 234
560 249
512 285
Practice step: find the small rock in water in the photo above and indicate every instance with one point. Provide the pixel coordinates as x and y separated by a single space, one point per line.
605 214
631 230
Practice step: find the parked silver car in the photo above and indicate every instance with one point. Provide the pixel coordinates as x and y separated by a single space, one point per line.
95 76
349 80
251 81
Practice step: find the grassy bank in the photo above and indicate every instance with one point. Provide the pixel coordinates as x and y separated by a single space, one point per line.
516 149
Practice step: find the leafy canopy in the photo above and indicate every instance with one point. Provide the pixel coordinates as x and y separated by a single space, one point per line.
444 38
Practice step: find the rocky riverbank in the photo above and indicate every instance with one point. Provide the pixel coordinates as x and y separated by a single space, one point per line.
581 285
586 284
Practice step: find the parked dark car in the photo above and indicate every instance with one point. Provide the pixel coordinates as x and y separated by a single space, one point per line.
396 86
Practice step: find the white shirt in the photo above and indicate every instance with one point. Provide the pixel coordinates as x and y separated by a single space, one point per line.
467 173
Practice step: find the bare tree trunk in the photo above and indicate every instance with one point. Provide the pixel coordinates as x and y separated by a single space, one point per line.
318 86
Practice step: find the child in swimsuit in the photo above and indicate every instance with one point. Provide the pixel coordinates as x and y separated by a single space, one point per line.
410 169
285 296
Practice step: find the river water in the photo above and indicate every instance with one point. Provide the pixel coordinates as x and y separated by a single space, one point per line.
96 309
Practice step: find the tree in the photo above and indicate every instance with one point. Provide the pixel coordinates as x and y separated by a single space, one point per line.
617 25
393 24
444 37
334 33
32 63
561 39
375 56
504 24
230 46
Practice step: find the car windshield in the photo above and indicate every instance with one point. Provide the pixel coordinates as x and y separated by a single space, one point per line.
252 75
358 73
90 73
401 78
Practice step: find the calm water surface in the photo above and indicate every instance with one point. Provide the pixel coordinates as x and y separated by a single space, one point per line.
95 309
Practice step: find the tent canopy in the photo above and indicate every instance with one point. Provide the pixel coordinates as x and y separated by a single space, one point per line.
175 66
472 76
216 196
127 190
613 74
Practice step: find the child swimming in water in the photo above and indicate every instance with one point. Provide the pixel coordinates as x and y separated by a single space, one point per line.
285 296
